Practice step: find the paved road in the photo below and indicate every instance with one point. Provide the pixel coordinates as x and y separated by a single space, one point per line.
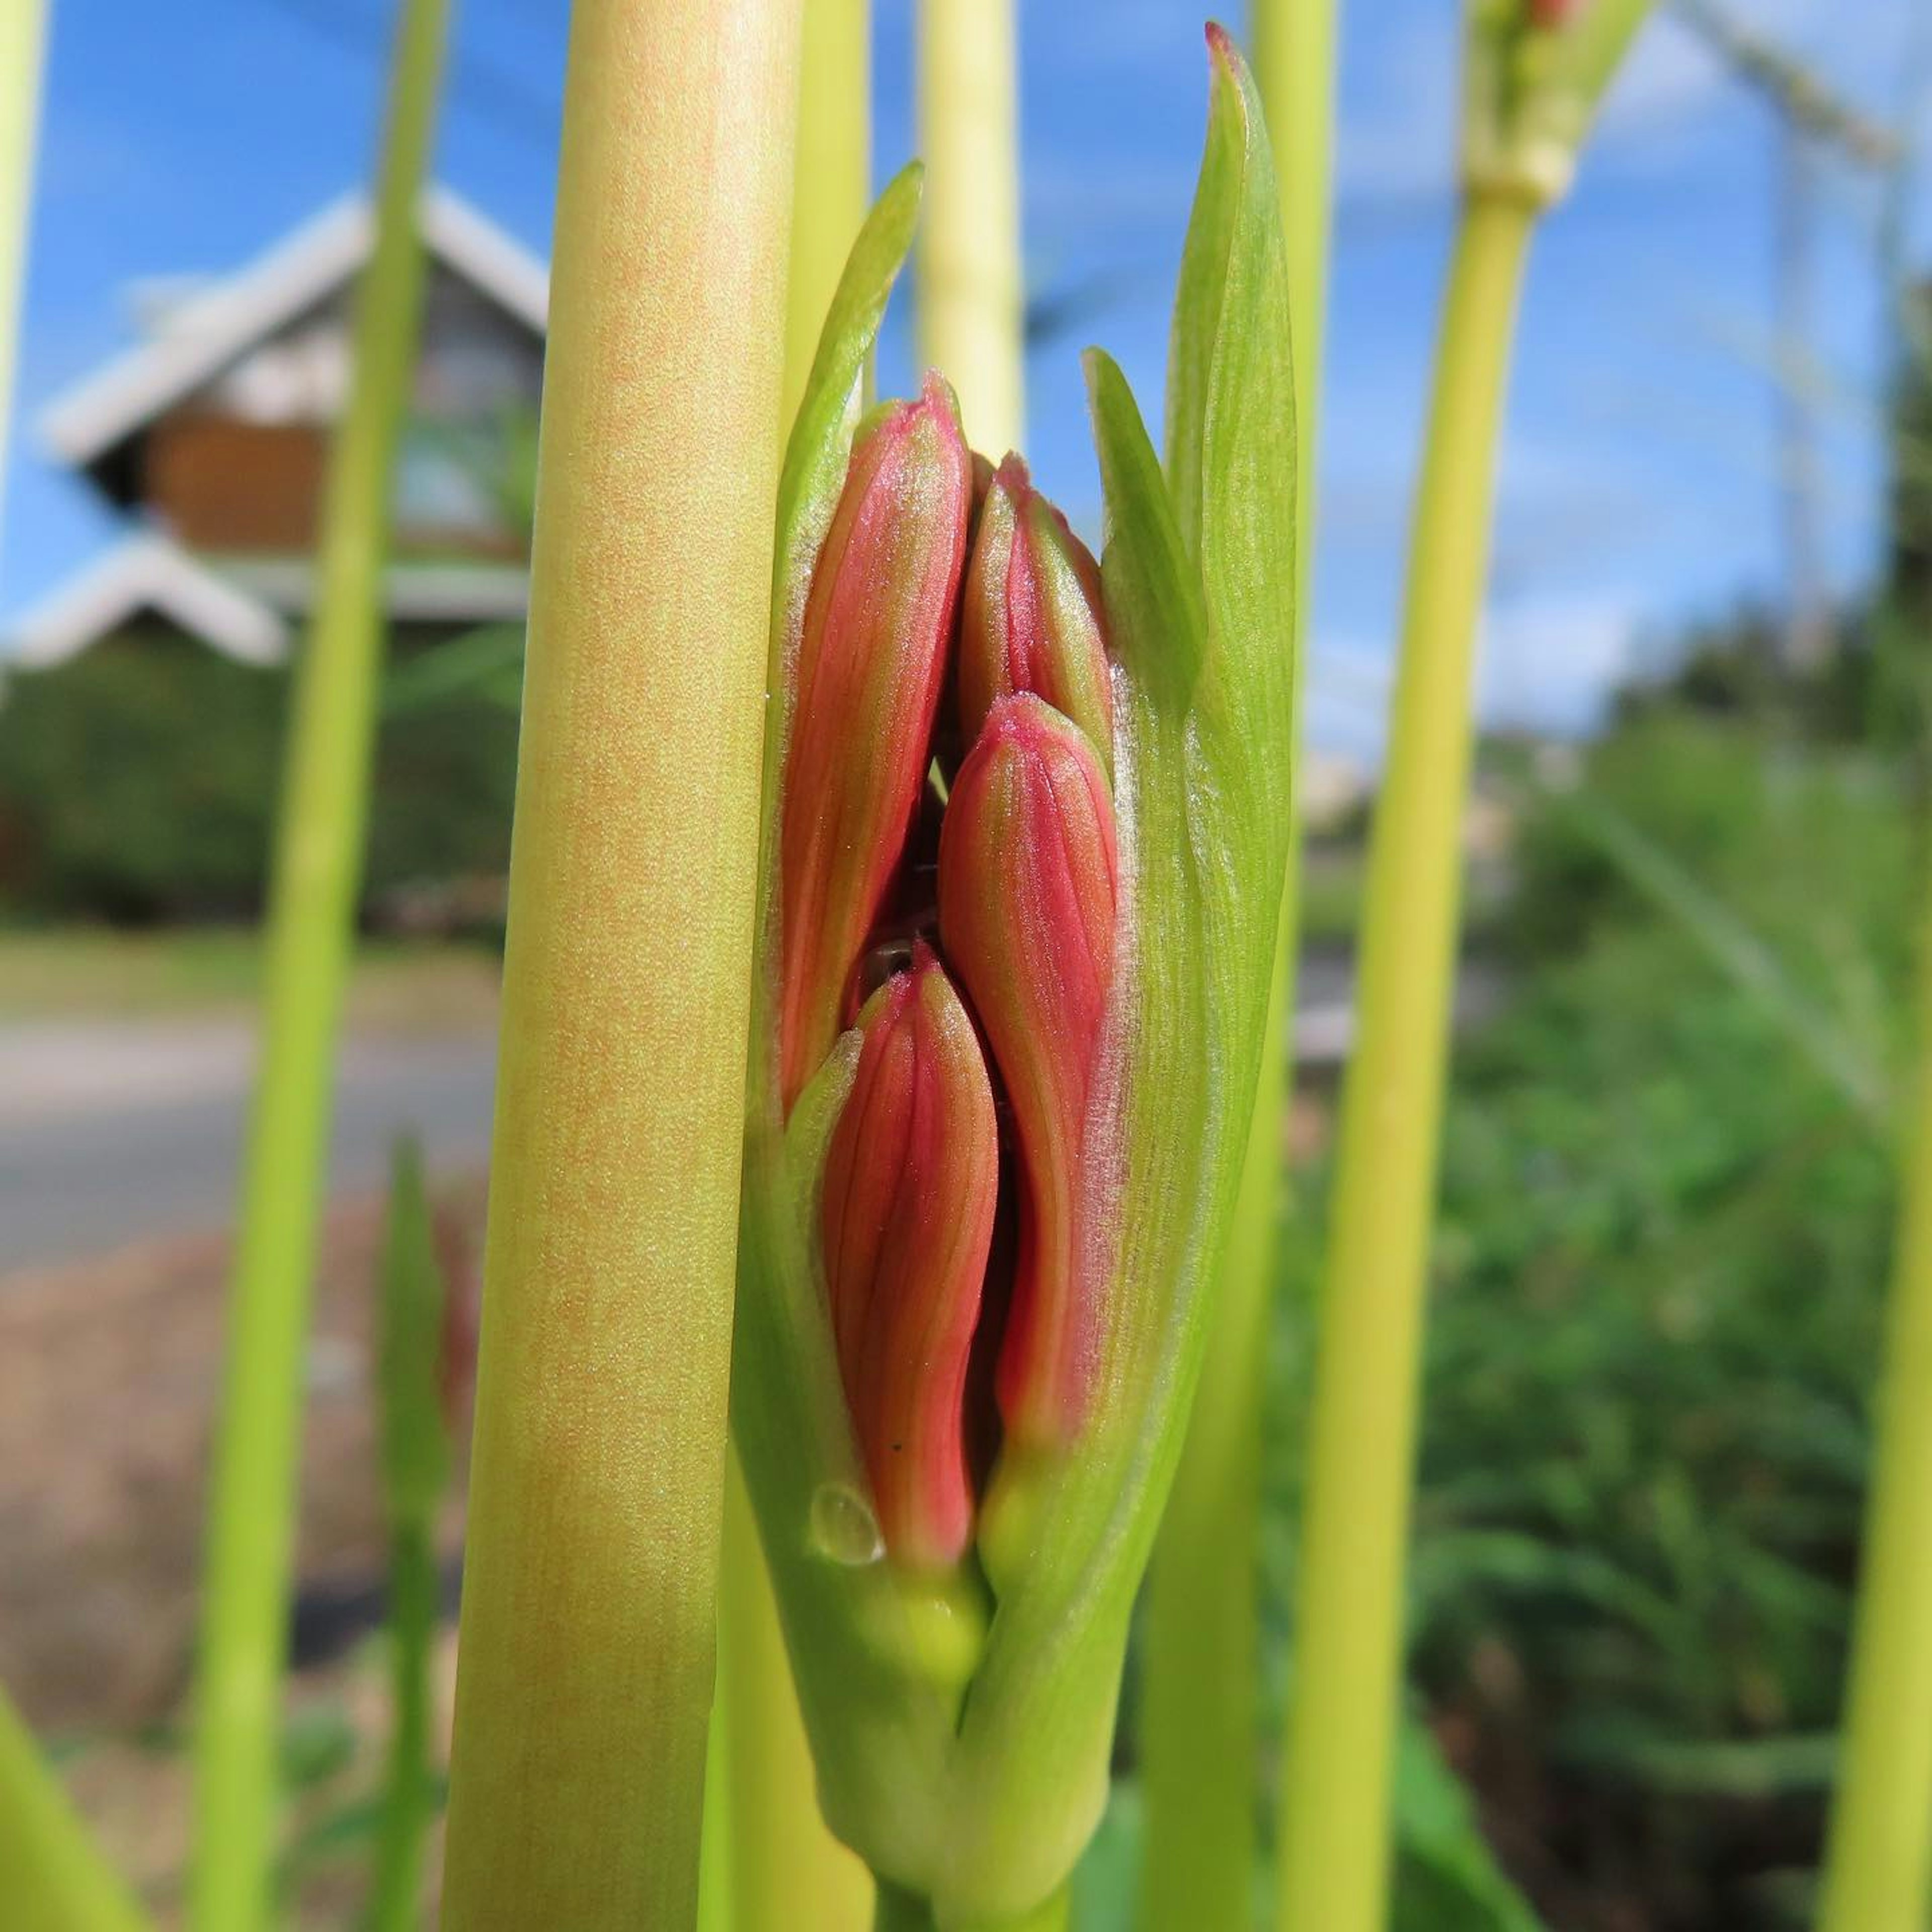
116 1132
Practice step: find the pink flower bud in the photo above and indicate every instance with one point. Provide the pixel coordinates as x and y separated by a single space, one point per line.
871 662
1030 613
1028 879
911 1180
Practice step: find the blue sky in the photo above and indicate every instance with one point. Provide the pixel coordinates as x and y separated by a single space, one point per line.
1638 473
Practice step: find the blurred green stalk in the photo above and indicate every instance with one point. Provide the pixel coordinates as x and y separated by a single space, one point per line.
1334 1849
56 1878
22 35
315 878
590 1604
1878 1864
416 1473
52 1877
971 295
1200 1693
782 1864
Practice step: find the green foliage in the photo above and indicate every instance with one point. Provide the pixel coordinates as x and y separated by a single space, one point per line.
1659 1269
137 783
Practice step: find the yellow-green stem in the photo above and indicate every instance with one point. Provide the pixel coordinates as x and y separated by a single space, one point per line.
1200 1683
22 32
784 1865
971 296
904 1912
408 1804
589 1625
1878 1866
1335 1844
315 879
787 1868
55 1879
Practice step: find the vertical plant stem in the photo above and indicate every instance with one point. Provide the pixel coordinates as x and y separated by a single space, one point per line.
831 186
590 1608
1878 1866
409 1803
316 877
22 33
54 1878
971 294
1200 1686
785 1866
1334 1875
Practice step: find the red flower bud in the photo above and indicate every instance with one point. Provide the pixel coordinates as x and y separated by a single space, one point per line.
911 1180
872 661
1028 881
1030 613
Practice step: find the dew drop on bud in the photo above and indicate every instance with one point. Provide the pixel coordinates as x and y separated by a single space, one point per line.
842 1528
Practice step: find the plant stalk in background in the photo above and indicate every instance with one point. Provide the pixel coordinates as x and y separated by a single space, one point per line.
1536 69
589 1603
971 305
1200 1689
414 1379
56 1879
22 33
312 889
1878 1864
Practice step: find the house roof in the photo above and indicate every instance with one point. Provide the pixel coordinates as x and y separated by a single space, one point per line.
149 573
209 331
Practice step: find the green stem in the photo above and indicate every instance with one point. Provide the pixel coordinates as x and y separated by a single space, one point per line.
1200 1645
1363 1424
971 299
55 1878
785 1866
315 878
898 1911
409 1802
589 1605
22 35
1878 1866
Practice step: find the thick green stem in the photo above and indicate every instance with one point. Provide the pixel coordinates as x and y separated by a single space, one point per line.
315 878
1362 1426
408 1804
971 296
55 1879
1201 1665
1878 1866
589 1626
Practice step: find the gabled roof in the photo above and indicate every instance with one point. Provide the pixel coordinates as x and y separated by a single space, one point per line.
212 329
147 573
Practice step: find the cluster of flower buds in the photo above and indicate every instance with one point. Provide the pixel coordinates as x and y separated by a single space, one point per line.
952 610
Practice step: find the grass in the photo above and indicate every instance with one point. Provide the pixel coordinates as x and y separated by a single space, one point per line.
96 973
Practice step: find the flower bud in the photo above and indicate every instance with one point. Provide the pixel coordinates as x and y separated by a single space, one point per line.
871 662
1030 613
911 1180
1028 881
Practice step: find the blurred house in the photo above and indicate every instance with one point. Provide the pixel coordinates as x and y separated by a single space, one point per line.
211 436
140 730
